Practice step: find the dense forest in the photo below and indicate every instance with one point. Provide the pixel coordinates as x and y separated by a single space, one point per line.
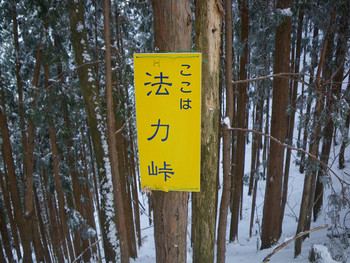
275 96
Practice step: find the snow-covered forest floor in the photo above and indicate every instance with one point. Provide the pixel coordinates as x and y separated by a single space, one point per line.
246 250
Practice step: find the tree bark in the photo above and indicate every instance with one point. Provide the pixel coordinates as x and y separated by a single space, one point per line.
241 123
172 32
90 92
227 136
5 237
291 117
333 93
271 224
207 40
310 176
112 142
12 180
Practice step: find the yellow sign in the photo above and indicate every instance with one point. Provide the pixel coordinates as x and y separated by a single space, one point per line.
168 114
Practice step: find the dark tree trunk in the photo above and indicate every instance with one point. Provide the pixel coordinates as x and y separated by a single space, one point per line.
112 143
271 224
241 123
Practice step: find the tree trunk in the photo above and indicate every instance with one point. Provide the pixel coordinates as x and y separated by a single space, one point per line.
331 100
310 176
227 136
347 123
241 123
172 30
291 117
207 36
90 92
5 237
112 142
271 224
12 179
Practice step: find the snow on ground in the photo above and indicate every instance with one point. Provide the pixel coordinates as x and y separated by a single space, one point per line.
246 250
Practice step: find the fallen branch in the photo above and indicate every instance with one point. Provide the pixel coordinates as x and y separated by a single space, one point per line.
284 244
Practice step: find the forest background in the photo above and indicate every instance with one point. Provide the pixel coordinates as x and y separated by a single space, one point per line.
275 95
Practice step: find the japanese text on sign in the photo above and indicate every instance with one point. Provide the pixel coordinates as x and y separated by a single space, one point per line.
168 113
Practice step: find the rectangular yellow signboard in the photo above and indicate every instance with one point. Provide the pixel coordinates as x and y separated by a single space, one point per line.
168 115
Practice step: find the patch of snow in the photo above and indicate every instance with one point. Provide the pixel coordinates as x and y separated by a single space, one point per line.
227 122
285 12
80 27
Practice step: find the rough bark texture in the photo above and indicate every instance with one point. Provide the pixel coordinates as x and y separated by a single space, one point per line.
172 29
112 142
272 205
226 134
241 123
208 39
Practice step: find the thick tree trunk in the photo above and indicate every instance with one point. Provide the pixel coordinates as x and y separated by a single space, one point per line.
172 30
207 36
271 224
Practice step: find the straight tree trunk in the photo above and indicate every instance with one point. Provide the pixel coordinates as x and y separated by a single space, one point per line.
5 237
291 117
227 137
5 189
331 100
90 92
271 224
314 59
42 228
112 142
241 123
12 180
207 40
310 176
347 123
172 32
60 195
58 187
26 236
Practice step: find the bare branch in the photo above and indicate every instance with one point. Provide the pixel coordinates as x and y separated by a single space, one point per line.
292 148
138 3
283 75
88 248
122 128
284 244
